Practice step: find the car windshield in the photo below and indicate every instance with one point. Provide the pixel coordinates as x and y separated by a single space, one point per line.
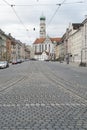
2 62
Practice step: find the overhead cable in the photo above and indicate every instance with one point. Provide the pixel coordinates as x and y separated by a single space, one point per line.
18 17
12 6
6 2
20 20
59 5
54 14
78 2
29 4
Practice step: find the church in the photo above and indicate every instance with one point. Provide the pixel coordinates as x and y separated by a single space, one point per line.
44 47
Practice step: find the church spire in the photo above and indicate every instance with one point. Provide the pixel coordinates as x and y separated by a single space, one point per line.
42 27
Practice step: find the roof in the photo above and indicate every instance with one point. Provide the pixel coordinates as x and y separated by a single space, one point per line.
84 21
42 17
41 40
40 53
77 25
55 39
3 33
47 53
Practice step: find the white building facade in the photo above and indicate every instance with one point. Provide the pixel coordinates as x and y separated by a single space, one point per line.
44 48
84 41
77 42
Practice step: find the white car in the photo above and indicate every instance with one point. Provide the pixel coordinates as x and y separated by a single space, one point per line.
3 64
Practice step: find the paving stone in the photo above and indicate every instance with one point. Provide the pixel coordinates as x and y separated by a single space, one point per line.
38 103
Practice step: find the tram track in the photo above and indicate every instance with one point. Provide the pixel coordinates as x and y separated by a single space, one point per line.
10 84
63 84
51 76
67 86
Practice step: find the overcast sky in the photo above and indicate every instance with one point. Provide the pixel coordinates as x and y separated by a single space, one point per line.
20 19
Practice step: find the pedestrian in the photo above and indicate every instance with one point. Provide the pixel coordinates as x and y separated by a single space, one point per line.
67 59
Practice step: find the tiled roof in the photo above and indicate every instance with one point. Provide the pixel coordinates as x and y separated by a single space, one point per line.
55 39
41 40
40 53
47 53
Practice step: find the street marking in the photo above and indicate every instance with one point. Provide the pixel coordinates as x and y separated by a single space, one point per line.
42 105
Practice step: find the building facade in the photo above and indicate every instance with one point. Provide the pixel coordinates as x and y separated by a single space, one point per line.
4 49
75 42
84 41
12 49
44 48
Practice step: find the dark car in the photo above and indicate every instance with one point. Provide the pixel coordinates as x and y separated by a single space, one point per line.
19 61
33 59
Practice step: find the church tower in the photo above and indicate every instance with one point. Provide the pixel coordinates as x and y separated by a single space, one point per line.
42 27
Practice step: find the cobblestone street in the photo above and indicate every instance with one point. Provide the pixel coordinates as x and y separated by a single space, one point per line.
35 96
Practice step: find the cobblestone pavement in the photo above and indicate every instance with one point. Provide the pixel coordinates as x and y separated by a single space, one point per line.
36 99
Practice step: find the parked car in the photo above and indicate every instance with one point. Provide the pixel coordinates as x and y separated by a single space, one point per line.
33 59
4 64
14 62
19 61
47 60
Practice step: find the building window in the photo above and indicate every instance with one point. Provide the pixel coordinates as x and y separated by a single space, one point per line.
42 48
35 48
39 48
46 47
49 47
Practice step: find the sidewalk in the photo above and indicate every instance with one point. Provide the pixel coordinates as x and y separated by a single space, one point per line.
72 64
